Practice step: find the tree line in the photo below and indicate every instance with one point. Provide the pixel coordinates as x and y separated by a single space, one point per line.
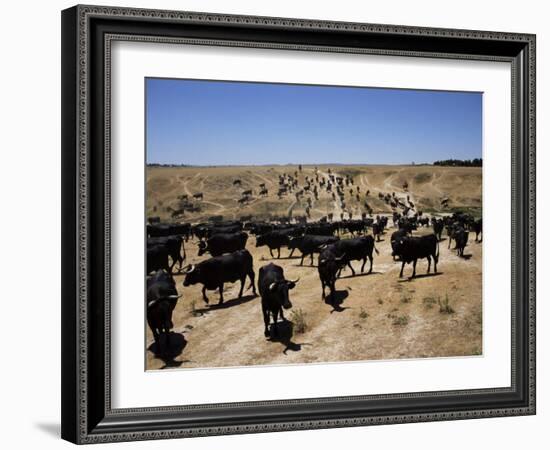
476 162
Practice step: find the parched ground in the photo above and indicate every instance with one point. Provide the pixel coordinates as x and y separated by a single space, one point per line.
379 316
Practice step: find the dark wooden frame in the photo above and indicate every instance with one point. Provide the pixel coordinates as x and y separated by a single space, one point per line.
87 415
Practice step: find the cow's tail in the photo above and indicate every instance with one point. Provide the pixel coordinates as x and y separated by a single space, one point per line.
436 257
375 249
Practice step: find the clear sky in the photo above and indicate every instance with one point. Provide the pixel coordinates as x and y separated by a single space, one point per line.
232 123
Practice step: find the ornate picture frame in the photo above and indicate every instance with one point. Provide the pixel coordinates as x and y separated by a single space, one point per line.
87 35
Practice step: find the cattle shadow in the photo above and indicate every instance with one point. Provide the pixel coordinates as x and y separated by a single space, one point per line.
358 275
466 257
171 346
420 276
226 304
285 332
337 299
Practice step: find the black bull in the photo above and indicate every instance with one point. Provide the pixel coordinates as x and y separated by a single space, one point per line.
216 271
162 297
222 243
355 249
410 249
274 292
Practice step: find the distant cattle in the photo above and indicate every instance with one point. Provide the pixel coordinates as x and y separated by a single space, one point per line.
154 219
221 243
162 297
274 289
198 195
216 271
411 249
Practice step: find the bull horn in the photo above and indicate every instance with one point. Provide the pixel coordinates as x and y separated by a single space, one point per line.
152 303
189 268
340 258
174 297
272 286
294 281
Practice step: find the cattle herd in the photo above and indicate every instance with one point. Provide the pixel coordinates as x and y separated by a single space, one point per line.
337 243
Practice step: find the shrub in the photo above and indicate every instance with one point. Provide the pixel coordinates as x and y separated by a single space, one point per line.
401 320
422 177
444 307
429 302
298 318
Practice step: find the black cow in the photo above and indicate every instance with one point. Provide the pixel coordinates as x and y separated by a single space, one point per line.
309 244
410 249
221 243
355 226
169 229
216 271
173 245
477 227
355 249
437 225
159 229
460 236
407 224
157 258
274 240
162 297
377 230
274 292
395 238
451 230
223 229
320 229
329 266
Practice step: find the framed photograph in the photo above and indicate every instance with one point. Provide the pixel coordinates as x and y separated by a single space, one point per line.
279 224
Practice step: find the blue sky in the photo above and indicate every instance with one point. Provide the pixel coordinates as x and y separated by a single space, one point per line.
199 122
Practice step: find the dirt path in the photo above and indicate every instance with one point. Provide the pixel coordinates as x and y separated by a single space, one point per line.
380 315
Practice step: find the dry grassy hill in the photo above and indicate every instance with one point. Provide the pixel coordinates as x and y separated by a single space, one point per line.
427 186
